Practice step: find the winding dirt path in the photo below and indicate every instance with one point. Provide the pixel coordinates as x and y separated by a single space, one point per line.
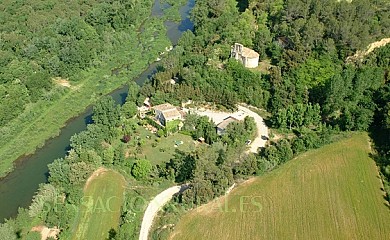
154 206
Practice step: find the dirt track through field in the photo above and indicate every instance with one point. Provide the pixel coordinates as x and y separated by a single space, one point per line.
154 206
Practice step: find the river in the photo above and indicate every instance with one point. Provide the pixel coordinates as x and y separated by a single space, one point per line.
18 187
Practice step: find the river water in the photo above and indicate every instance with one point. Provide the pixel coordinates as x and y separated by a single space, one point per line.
18 187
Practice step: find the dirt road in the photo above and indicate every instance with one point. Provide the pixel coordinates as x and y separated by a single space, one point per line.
154 206
262 130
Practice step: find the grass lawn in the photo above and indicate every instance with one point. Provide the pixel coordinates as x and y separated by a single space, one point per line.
164 149
101 206
330 193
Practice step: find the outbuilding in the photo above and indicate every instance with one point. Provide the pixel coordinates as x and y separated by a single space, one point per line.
221 127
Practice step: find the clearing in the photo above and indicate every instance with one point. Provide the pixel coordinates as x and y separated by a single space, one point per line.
330 193
101 205
158 150
359 55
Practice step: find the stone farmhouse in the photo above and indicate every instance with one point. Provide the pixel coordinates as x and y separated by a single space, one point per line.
245 55
167 112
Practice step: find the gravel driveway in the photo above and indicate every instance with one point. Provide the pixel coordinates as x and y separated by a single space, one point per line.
262 130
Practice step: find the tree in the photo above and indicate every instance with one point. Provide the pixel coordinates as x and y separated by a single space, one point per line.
91 138
183 165
129 109
190 122
106 112
316 71
284 150
313 32
298 145
119 155
59 172
106 115
262 40
250 127
160 133
280 118
248 167
386 113
206 129
132 93
79 173
7 232
108 156
290 115
126 138
46 194
61 216
141 169
13 98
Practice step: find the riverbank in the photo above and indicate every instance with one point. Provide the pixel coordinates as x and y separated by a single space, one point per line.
44 119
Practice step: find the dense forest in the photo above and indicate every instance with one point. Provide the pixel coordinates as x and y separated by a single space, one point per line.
306 42
312 93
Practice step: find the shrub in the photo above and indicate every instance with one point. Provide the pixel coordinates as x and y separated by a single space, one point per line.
126 138
160 133
141 169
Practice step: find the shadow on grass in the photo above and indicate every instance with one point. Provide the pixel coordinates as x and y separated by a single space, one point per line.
381 145
112 234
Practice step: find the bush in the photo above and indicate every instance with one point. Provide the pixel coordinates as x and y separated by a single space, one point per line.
141 169
298 146
248 167
33 236
173 126
126 138
160 133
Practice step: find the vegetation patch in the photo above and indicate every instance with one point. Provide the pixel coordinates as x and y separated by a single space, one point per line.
33 107
329 193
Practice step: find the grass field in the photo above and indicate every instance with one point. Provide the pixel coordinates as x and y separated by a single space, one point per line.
164 149
101 206
329 193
